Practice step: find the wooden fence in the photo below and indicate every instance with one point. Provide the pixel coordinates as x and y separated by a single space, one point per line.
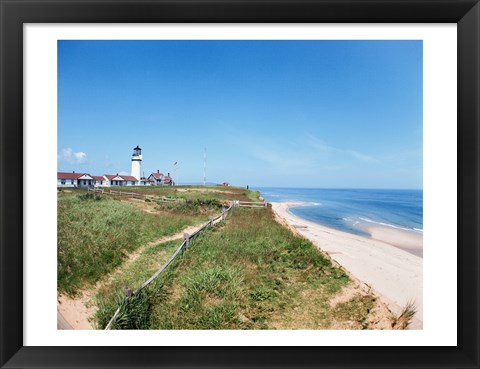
251 204
185 244
235 203
187 237
133 195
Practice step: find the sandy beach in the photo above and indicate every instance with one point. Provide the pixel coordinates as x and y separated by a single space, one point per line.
389 261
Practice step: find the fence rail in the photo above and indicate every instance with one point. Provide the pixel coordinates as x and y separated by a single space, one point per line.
132 194
184 245
187 237
236 203
251 204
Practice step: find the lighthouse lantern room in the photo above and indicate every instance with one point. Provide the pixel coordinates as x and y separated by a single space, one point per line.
136 162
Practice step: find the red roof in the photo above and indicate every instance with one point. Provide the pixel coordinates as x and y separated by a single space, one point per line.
65 175
157 175
112 176
98 178
129 178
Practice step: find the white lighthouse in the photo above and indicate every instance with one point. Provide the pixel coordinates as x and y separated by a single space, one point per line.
136 162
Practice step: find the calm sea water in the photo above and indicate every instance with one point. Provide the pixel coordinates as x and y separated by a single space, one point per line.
351 210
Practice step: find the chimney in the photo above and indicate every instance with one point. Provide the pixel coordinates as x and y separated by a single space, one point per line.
73 171
158 171
169 174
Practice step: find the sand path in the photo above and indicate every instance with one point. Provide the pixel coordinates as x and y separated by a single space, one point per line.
76 313
394 274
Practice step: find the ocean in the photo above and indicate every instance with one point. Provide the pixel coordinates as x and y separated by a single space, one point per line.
353 210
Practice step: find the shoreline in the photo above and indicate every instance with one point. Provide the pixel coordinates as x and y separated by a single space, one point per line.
381 262
406 239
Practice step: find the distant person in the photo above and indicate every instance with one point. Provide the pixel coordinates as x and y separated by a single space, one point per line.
247 187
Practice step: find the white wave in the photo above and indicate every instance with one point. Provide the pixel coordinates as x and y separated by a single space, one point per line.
391 225
302 203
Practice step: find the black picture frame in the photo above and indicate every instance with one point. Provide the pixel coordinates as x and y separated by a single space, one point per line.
15 13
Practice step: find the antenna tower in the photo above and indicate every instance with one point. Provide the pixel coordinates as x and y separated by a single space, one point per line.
205 167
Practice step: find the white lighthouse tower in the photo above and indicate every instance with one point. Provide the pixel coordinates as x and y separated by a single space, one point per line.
136 162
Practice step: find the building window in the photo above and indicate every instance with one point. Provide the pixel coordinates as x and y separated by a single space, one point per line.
71 181
62 181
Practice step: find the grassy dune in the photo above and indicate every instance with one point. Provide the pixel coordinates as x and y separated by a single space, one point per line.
219 193
95 233
249 273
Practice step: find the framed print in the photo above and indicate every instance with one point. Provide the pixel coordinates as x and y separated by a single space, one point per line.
268 50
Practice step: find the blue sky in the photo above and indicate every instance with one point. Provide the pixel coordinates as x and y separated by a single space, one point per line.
335 114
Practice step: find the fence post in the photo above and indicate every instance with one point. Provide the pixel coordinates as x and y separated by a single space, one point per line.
127 291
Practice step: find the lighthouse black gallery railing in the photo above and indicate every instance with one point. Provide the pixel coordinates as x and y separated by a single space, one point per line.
185 244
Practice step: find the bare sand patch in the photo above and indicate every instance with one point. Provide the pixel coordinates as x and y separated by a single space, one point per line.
78 312
75 313
409 241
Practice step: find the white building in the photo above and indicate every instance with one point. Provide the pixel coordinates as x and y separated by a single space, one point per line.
73 179
156 178
130 181
159 179
99 181
113 180
136 162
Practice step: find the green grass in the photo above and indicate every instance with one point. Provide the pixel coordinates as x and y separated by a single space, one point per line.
248 273
95 233
355 310
404 319
205 206
252 195
219 193
110 296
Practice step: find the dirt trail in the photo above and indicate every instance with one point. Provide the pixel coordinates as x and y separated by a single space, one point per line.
76 313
